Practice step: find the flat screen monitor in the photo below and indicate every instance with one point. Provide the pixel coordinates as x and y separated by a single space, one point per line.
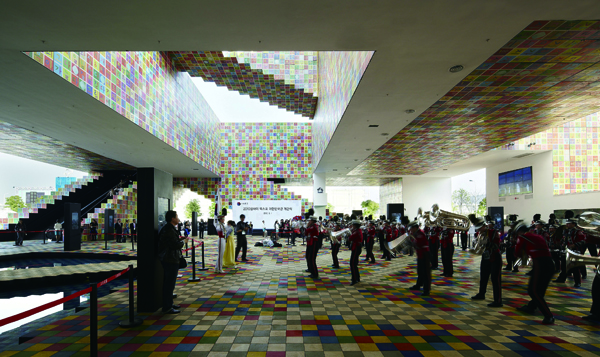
516 182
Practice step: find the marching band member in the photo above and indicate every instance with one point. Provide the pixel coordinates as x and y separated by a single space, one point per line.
355 239
434 245
371 232
312 237
510 240
335 248
536 247
395 235
421 243
575 240
221 230
387 237
555 247
447 242
491 261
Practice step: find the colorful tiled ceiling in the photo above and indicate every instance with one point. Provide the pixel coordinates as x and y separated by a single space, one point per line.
254 81
339 75
298 68
143 87
575 154
546 74
42 202
25 143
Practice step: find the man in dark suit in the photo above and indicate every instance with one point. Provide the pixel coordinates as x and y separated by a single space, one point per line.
241 229
119 231
133 231
201 228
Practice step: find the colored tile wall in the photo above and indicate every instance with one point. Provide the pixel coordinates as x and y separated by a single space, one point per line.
575 154
339 75
124 205
254 80
547 73
144 88
252 153
389 193
298 68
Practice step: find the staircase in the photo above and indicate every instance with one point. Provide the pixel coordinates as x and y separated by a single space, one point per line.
42 214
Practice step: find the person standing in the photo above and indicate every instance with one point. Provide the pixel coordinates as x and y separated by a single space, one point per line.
133 231
201 228
464 239
312 237
536 247
370 241
221 232
125 230
335 248
264 229
242 243
491 263
421 243
94 230
434 245
169 253
355 239
58 231
387 237
575 240
447 243
119 230
228 256
20 231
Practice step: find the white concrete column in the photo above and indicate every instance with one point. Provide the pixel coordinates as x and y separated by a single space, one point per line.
319 193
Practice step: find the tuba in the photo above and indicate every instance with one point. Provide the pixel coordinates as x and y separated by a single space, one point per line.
336 237
451 220
576 259
399 244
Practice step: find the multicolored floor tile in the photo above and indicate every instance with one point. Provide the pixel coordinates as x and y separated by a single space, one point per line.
269 307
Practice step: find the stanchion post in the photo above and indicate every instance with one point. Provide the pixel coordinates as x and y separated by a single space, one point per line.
94 321
105 241
132 320
186 250
132 246
193 279
204 268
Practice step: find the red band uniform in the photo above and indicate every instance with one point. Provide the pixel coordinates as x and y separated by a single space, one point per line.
335 248
355 239
371 233
312 241
434 245
421 244
491 267
536 247
575 240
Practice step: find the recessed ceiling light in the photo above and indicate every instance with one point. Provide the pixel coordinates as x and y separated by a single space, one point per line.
367 149
445 169
347 168
196 169
355 159
456 69
373 126
334 169
409 111
385 134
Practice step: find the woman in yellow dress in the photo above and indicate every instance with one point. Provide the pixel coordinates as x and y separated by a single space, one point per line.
229 256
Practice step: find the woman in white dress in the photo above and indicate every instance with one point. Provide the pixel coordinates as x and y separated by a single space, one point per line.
221 231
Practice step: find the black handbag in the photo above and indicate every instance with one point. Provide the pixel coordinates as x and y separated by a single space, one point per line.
182 263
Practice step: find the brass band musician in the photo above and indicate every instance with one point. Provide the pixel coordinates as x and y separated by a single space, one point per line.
421 244
491 261
575 240
355 239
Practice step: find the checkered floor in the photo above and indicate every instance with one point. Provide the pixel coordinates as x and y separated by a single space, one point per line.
268 307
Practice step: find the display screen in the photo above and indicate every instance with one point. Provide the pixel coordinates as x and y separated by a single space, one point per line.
516 182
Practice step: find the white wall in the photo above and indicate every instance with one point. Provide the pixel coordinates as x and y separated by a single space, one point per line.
544 201
424 192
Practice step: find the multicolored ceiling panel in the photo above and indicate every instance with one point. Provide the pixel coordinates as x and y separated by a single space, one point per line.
285 90
25 143
575 154
143 87
339 75
548 73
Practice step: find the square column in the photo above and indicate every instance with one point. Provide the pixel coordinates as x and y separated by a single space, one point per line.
319 193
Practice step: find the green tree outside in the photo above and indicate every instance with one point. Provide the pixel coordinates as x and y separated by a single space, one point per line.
211 208
329 207
482 208
460 201
192 206
15 202
369 208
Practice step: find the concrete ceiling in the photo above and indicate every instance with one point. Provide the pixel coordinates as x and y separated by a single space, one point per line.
415 43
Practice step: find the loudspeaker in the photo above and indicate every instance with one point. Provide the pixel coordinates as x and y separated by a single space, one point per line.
194 224
210 227
395 211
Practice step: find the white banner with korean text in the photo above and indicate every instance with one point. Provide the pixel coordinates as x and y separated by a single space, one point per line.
257 211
